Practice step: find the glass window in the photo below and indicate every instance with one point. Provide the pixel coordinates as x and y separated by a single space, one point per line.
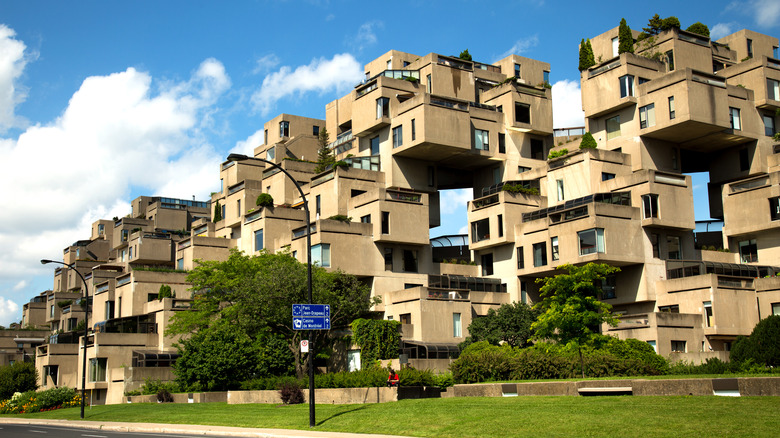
671 108
481 139
374 145
775 52
613 127
652 344
655 245
382 107
388 259
317 205
748 251
480 230
517 70
456 325
522 113
670 60
259 239
265 136
591 241
385 222
501 143
537 149
674 249
647 116
775 308
487 264
315 130
734 117
606 176
626 86
101 229
708 313
615 46
97 369
270 154
398 133
540 254
559 186
414 131
750 47
649 206
180 264
520 258
555 255
546 76
429 84
500 225
608 287
774 208
320 254
284 129
678 347
769 125
365 219
410 260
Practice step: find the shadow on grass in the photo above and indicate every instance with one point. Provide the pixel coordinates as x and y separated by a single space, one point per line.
358 408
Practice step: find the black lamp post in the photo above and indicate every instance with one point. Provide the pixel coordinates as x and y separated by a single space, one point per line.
240 157
86 331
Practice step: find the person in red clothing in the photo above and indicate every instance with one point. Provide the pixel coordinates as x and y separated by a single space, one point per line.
392 378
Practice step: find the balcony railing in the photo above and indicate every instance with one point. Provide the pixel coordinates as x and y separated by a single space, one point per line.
404 196
487 67
616 198
300 232
448 294
603 68
342 138
236 188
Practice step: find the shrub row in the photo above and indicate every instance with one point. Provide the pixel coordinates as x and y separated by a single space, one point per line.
33 401
368 378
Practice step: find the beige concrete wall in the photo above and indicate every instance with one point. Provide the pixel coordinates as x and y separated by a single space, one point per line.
321 395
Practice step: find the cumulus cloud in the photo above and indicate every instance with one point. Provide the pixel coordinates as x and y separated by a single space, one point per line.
765 12
266 63
247 147
721 29
9 312
567 104
121 132
520 47
453 201
321 75
12 63
366 35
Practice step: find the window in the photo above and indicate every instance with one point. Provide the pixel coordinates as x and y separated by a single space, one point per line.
608 286
382 107
124 235
390 63
374 145
97 369
109 309
284 129
481 139
775 308
537 149
655 245
559 186
50 371
259 239
265 136
613 127
748 251
410 260
591 241
101 229
480 230
320 254
606 176
678 347
365 219
774 208
734 117
317 205
750 47
487 264
501 143
398 133
238 209
223 211
385 222
769 125
674 250
51 310
775 52
523 292
131 253
429 84
414 131
647 116
626 86
180 264
670 59
708 313
500 225
615 46
554 255
522 113
315 130
521 169
520 258
388 259
649 206
517 70
671 108
456 327
405 318
652 344
270 154
642 80
540 254
546 76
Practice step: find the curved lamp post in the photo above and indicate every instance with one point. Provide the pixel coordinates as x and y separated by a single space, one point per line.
240 157
86 330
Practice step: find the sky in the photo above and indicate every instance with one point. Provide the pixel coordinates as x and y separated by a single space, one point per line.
104 101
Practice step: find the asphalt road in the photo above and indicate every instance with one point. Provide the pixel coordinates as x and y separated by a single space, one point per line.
46 431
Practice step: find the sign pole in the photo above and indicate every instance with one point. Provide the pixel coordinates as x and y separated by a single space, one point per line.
311 317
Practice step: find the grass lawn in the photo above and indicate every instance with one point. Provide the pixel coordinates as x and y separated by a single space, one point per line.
478 416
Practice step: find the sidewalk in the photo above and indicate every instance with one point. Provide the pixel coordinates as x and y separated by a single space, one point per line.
189 429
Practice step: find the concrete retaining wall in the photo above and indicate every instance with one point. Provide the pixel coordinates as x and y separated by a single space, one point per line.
336 396
197 397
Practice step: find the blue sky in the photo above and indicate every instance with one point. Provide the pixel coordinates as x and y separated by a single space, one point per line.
103 101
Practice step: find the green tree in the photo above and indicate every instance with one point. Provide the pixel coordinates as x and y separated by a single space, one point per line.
570 311
587 59
325 156
588 142
465 55
653 26
763 344
699 28
165 292
511 323
625 38
217 212
19 377
670 23
377 339
256 294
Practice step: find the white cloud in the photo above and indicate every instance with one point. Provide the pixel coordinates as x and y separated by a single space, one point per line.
567 105
247 147
454 200
20 285
366 35
520 47
721 29
9 312
321 75
266 63
12 63
766 12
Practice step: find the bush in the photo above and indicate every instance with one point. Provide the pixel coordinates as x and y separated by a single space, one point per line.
163 396
265 200
19 377
155 386
588 142
556 154
31 401
273 383
699 28
762 346
291 393
373 377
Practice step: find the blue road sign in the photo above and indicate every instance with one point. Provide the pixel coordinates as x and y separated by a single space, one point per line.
311 316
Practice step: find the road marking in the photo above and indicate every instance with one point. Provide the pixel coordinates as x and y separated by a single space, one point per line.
95 436
38 431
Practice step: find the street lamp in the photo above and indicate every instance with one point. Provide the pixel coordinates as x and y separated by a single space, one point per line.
86 330
240 157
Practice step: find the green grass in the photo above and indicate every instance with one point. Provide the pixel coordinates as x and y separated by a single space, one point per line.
655 416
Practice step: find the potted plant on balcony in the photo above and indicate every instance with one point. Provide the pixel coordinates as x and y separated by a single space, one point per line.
265 200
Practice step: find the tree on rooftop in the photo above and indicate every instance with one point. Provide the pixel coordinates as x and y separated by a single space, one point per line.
217 212
670 23
570 311
465 55
588 142
325 156
699 28
625 38
587 59
653 26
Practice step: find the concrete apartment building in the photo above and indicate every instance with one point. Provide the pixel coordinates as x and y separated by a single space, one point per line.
420 124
